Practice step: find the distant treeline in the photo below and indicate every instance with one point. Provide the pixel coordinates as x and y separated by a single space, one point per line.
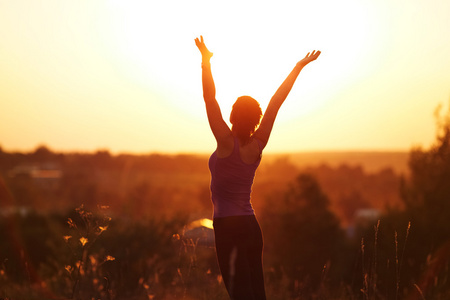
158 184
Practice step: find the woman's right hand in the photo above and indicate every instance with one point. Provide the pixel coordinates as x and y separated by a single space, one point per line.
206 54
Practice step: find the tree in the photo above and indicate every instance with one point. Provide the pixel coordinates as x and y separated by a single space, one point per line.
427 195
42 153
302 234
427 200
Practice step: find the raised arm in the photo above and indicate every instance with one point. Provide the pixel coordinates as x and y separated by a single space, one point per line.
218 126
265 128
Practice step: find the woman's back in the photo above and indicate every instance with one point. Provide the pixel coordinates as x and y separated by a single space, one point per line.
232 179
249 152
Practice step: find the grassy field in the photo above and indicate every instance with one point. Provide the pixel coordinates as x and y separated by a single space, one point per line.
115 227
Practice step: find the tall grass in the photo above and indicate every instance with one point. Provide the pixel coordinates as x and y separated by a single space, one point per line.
102 258
370 276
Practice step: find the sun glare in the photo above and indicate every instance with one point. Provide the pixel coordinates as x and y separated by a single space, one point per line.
112 74
254 50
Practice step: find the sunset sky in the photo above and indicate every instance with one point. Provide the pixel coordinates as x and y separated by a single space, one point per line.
125 75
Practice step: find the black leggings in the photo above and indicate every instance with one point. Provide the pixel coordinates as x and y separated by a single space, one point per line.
239 245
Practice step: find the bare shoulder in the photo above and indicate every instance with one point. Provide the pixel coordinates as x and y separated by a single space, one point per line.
225 146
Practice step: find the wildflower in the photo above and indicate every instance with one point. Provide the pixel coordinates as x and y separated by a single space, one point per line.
102 228
68 268
93 260
67 237
71 223
110 258
83 241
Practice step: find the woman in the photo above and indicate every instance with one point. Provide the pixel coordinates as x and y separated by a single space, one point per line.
233 165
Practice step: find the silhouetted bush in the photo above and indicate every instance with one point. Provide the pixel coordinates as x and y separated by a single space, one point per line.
302 236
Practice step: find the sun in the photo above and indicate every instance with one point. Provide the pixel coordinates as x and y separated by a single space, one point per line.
254 51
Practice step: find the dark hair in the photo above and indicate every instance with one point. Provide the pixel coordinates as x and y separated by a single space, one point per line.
245 117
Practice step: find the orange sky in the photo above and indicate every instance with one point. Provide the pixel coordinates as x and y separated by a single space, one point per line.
125 75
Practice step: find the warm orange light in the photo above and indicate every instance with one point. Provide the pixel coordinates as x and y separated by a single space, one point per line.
111 75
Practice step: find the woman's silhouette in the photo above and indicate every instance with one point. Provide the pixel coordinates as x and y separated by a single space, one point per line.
233 165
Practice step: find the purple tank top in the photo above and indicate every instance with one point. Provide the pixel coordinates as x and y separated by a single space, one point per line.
231 183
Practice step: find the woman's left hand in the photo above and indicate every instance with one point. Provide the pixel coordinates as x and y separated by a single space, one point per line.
311 56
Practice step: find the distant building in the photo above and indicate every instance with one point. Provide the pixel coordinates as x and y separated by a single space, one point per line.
367 214
46 175
363 218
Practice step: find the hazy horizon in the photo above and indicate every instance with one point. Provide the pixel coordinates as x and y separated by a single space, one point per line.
205 152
